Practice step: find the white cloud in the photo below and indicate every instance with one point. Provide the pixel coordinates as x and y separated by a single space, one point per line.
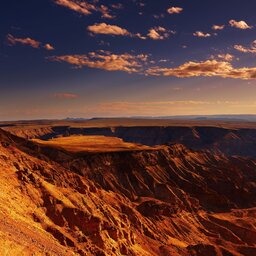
251 49
174 10
239 24
159 33
106 29
49 47
226 57
218 27
201 34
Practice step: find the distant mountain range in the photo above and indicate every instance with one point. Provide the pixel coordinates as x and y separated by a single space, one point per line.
242 117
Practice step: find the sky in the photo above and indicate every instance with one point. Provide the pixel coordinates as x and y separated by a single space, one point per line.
95 58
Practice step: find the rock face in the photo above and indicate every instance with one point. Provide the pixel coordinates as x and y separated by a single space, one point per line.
240 141
171 201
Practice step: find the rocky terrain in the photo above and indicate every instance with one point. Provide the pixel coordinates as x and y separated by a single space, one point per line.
230 141
167 201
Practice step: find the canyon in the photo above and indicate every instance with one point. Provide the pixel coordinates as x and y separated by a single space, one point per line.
162 190
230 140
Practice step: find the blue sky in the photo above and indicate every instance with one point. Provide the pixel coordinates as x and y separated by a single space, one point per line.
62 58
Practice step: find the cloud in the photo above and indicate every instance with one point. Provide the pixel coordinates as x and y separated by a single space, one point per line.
251 49
106 60
105 12
25 41
65 95
11 40
226 57
77 6
208 68
218 27
163 60
49 47
139 64
117 6
138 35
160 108
174 10
103 28
223 56
201 34
159 16
85 8
159 33
239 24
147 108
156 33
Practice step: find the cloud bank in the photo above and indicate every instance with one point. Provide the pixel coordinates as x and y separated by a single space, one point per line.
106 61
208 68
